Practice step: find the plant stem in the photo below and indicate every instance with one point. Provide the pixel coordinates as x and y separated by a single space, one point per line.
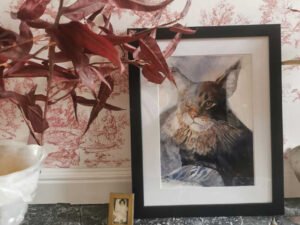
34 39
51 53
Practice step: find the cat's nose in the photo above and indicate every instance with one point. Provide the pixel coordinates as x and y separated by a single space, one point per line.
193 112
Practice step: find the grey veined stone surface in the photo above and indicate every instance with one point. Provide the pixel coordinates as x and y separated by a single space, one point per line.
66 214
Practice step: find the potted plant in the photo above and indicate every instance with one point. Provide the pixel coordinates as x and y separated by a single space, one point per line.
62 55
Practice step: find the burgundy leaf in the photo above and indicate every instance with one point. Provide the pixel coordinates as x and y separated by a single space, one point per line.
172 46
68 46
32 112
178 28
74 37
150 52
129 48
33 69
294 10
26 37
88 75
9 94
64 73
105 90
117 40
7 37
29 71
14 46
17 65
81 9
2 87
91 102
112 107
60 57
74 100
32 9
103 94
105 70
40 97
39 24
92 17
134 5
107 23
84 101
151 74
3 59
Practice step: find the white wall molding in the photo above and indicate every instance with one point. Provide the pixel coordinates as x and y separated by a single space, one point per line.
81 186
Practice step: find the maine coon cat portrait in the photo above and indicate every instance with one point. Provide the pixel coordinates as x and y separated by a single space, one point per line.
203 141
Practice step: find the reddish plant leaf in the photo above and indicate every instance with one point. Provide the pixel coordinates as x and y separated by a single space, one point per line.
178 28
117 40
129 48
14 46
29 71
32 112
3 59
74 100
91 102
151 74
169 50
60 57
92 17
7 37
9 94
26 37
2 87
107 23
294 10
88 75
64 73
84 101
32 9
136 6
81 9
112 107
75 37
39 24
103 94
150 52
17 65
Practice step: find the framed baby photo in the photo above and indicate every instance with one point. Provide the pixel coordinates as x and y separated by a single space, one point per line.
120 209
211 145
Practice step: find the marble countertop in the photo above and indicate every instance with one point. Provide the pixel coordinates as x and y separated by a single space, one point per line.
66 214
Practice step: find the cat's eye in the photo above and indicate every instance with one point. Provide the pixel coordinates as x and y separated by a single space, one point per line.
209 104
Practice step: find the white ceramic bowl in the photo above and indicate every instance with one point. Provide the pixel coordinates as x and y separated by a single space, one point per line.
20 166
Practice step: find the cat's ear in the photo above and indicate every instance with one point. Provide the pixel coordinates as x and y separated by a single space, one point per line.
182 82
228 80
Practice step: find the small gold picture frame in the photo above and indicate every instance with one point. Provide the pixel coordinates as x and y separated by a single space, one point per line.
120 209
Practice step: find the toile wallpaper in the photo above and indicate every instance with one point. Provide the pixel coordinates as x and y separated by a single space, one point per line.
107 143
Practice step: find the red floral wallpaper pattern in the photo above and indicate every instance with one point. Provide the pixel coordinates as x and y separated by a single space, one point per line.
107 143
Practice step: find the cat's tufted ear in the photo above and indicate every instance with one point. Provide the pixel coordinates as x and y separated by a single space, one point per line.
182 82
228 80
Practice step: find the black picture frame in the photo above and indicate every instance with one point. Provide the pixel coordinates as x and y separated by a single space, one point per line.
276 206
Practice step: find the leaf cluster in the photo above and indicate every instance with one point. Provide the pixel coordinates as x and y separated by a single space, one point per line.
70 47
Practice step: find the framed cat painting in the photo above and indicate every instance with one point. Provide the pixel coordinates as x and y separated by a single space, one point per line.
211 145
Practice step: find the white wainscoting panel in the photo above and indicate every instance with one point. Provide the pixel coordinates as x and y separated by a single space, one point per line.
81 186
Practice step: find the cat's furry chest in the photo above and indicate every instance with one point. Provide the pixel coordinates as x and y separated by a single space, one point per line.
200 135
195 134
